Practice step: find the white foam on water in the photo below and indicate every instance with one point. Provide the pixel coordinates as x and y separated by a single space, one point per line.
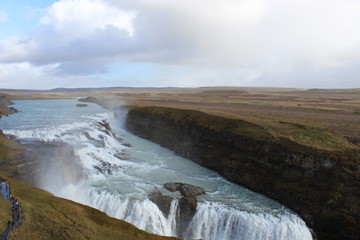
214 221
118 177
141 212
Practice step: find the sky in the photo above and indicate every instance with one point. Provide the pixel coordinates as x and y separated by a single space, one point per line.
48 44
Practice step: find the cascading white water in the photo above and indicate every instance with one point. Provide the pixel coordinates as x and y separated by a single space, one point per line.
217 221
120 170
142 213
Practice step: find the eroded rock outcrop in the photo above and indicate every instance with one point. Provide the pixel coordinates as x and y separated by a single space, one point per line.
81 105
187 203
186 206
162 201
4 106
186 190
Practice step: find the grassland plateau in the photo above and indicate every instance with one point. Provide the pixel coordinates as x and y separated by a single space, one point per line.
298 146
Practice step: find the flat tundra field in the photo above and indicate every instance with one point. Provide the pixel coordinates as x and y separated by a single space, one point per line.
283 112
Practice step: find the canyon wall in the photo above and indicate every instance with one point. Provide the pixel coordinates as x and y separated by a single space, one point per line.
321 186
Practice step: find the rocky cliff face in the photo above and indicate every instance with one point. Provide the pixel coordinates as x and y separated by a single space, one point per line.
4 103
322 186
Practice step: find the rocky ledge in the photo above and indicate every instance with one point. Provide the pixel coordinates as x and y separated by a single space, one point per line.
186 206
186 190
322 186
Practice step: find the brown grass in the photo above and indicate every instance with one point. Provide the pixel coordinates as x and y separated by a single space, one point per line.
326 119
45 216
8 149
5 213
322 119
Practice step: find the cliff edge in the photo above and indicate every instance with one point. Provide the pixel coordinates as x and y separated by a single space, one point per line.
4 106
316 173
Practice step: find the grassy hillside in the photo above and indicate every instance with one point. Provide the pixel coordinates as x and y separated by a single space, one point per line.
5 213
8 149
55 218
45 216
260 129
324 119
334 109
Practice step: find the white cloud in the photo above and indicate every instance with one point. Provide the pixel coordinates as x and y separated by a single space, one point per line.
78 18
242 40
71 30
26 76
22 75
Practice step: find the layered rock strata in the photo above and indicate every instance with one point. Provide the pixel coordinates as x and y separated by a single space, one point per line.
322 186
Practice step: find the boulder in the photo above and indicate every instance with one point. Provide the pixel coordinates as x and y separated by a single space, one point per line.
173 186
188 205
105 124
186 190
82 105
87 135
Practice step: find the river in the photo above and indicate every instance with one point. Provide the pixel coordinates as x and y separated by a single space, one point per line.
119 170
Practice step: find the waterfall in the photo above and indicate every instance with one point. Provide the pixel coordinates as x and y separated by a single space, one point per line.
142 213
119 170
212 221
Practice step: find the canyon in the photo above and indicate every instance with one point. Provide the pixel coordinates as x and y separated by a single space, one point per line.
322 186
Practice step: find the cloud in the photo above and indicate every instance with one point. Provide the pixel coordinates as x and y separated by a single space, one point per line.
234 41
243 31
27 76
78 18
22 75
87 67
71 30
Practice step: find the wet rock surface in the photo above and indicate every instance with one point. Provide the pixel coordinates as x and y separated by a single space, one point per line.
106 125
81 105
107 168
162 201
186 206
187 210
87 135
186 190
